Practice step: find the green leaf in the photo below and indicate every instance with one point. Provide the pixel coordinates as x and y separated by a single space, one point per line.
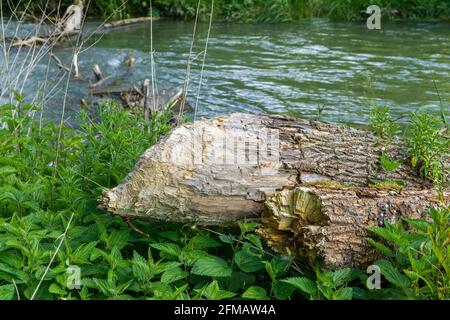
211 266
388 164
118 239
229 239
200 242
247 261
255 293
213 292
7 292
83 253
343 294
393 275
342 276
18 275
248 226
282 290
304 284
255 240
4 171
55 288
140 268
419 224
171 249
326 291
237 281
385 250
173 275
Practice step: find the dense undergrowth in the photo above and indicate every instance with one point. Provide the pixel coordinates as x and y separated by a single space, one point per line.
49 222
266 11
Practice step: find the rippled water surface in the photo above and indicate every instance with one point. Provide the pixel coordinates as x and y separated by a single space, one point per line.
299 68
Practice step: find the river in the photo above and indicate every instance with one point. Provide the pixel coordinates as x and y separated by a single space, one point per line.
313 69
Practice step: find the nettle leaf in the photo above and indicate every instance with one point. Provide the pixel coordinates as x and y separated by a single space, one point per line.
7 292
385 250
200 242
118 239
419 224
326 291
255 240
12 259
83 253
388 164
342 276
282 290
343 294
7 170
303 284
393 275
13 273
248 226
171 249
173 275
189 256
170 235
248 261
213 292
161 290
56 289
229 239
255 293
279 265
211 266
384 233
140 267
160 267
237 281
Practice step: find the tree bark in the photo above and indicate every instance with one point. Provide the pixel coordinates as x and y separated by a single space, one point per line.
241 167
330 222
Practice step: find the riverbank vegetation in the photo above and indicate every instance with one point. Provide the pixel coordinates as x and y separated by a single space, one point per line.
262 10
52 175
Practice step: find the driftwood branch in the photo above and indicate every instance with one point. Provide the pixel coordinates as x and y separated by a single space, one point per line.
127 22
305 181
58 62
139 95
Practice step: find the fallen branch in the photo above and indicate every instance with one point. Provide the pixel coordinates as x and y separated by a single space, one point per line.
127 22
58 62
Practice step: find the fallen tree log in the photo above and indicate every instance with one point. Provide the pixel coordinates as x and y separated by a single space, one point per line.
306 181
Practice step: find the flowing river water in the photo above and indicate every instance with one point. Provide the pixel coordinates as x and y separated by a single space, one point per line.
312 69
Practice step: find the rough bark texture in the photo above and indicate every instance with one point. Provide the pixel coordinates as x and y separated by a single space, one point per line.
330 222
230 168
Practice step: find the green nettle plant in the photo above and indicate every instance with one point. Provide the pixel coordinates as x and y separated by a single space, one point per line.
383 125
385 129
418 257
51 177
429 145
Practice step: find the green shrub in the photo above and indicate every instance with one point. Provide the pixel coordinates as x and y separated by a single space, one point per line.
418 257
263 10
49 221
429 147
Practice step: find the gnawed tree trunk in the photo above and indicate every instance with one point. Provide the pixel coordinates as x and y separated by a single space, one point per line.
330 222
241 167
